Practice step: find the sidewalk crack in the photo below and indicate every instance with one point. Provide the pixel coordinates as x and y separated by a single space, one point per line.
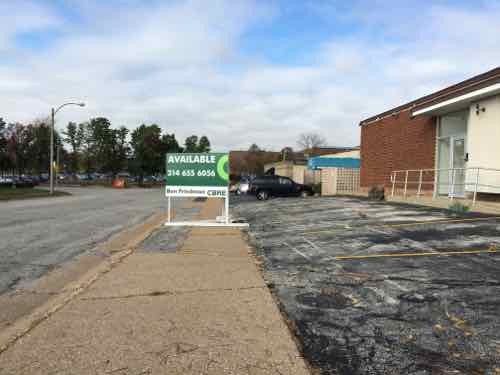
171 293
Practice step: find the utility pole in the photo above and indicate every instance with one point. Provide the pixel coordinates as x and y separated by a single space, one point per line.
52 152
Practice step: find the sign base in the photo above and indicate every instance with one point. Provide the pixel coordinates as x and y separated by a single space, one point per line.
205 223
220 221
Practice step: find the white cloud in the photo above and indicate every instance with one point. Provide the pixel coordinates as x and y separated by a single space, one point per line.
23 16
180 65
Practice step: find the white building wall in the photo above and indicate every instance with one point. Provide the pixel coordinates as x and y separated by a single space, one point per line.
483 145
298 173
346 154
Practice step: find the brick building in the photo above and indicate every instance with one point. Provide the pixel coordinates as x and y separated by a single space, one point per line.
457 128
244 163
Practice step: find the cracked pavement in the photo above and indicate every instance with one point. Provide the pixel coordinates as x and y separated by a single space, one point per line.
420 315
201 309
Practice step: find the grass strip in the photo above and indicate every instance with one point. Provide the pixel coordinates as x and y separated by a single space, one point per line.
8 193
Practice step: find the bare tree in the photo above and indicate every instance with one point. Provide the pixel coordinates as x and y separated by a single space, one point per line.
311 140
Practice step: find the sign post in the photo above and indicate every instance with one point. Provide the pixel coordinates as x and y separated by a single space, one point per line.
198 175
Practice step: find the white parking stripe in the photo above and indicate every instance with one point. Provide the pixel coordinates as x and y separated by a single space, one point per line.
311 243
297 251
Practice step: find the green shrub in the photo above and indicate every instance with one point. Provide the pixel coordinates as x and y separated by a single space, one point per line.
316 189
458 208
377 193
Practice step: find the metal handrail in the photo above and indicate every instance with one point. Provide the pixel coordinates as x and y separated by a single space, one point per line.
436 171
446 169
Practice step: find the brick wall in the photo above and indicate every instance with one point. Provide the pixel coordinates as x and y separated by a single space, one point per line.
394 143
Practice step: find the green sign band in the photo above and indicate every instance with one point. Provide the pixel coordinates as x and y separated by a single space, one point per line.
223 167
207 169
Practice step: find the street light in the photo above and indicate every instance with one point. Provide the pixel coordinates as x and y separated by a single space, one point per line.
54 111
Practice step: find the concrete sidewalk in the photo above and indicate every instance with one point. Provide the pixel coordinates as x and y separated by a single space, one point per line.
204 309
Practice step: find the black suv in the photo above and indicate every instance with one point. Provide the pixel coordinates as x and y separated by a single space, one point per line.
266 186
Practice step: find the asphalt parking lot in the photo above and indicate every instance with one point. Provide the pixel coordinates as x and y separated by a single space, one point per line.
411 311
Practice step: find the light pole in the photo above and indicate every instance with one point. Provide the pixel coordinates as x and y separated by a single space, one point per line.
53 113
58 147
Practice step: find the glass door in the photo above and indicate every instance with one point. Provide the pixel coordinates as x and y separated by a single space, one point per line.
458 157
452 133
444 163
451 158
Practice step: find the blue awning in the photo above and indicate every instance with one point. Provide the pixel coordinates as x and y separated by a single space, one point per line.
322 162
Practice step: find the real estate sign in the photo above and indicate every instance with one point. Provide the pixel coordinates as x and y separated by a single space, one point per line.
197 175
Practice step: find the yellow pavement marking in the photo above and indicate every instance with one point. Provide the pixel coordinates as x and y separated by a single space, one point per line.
440 221
444 221
396 255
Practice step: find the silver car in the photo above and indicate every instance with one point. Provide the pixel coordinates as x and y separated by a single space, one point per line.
243 187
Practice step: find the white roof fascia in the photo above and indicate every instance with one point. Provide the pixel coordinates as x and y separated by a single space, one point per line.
465 99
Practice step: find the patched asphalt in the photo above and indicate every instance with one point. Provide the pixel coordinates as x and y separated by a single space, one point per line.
432 314
170 239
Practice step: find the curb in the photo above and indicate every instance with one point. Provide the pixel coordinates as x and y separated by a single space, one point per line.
24 325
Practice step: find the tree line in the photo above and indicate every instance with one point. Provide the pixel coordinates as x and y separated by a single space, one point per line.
94 146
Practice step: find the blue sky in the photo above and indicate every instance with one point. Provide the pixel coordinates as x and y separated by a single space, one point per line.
239 71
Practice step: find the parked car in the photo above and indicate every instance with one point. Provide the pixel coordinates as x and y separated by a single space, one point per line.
126 176
36 179
23 182
277 186
6 181
84 177
243 186
233 187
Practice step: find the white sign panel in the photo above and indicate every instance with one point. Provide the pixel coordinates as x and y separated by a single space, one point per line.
196 191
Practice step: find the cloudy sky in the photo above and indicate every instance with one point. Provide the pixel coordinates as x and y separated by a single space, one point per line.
239 71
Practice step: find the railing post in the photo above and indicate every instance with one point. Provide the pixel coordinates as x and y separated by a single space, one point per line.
419 183
406 183
453 184
436 183
393 178
475 187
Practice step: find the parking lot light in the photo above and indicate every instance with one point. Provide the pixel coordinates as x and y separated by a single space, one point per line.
53 113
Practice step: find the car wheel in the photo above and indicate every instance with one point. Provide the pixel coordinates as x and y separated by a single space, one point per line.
304 194
262 195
